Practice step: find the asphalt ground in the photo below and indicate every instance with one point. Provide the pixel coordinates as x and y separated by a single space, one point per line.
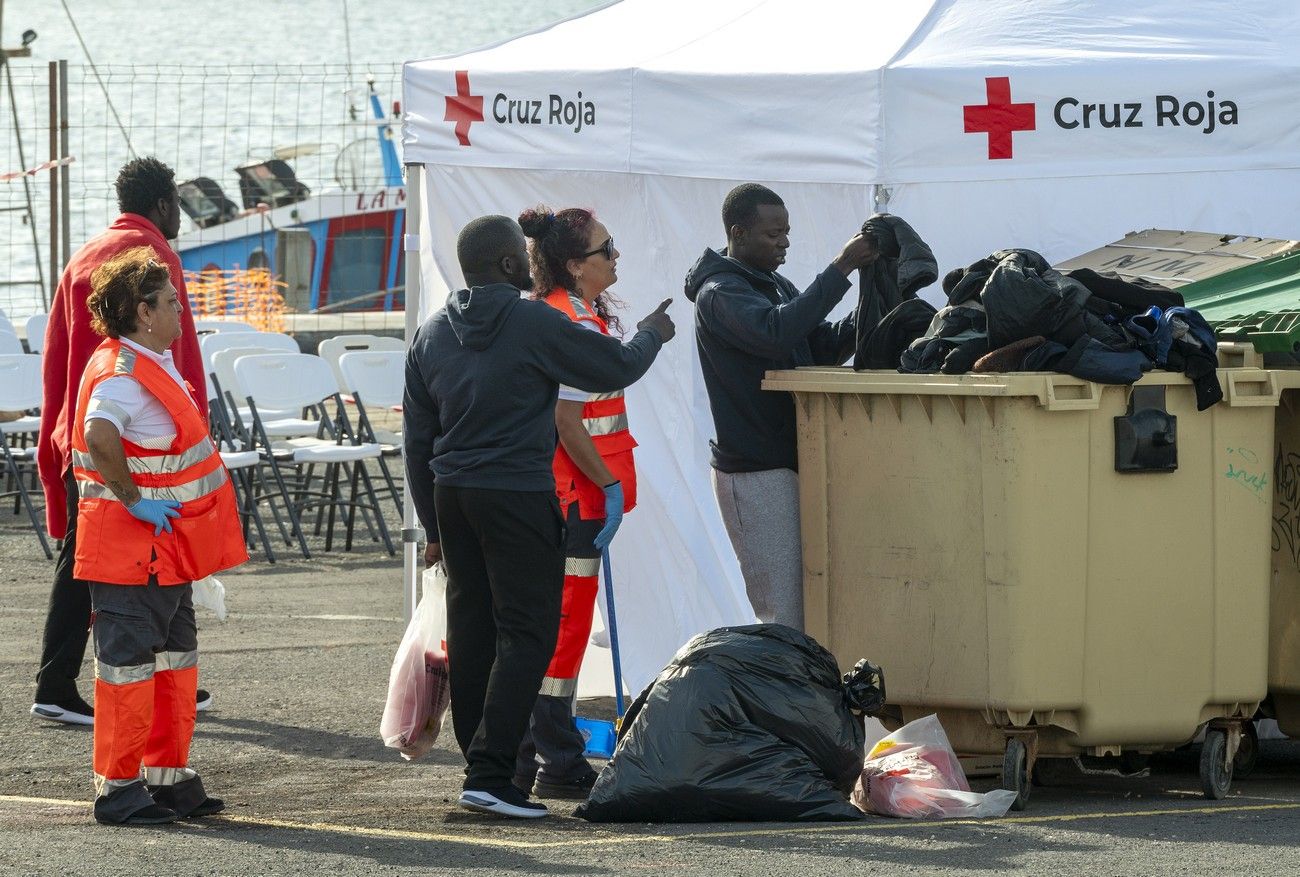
299 672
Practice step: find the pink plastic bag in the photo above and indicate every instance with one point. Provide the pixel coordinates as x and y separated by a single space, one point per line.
419 687
914 773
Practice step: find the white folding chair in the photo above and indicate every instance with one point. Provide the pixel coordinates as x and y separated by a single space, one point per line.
10 345
7 326
279 424
377 378
36 332
332 349
298 380
20 390
204 327
211 343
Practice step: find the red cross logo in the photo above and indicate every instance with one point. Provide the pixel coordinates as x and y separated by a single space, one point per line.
999 117
463 107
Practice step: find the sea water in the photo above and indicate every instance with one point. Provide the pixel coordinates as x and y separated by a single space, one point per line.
207 85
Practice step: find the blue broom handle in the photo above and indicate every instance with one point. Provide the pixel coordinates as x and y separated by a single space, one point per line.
613 633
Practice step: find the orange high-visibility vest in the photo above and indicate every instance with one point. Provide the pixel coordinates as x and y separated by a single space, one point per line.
113 546
605 417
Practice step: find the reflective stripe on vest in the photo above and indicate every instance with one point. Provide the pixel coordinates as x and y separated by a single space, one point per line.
157 465
188 492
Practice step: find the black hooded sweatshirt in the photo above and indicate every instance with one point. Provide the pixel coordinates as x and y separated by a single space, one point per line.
482 377
748 322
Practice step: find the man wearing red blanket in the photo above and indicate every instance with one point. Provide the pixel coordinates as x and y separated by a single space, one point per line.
151 216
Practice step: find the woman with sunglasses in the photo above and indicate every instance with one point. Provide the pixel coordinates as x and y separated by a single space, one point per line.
574 262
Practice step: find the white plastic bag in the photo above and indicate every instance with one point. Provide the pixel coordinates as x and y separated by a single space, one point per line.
419 687
915 773
208 593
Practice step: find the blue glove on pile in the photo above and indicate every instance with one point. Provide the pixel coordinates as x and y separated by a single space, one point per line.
157 512
613 515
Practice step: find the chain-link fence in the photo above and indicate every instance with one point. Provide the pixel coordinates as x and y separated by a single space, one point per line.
316 203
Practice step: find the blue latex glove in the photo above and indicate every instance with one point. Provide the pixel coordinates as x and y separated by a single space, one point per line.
157 512
613 515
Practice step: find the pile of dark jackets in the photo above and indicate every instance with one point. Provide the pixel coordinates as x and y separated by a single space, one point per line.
1098 327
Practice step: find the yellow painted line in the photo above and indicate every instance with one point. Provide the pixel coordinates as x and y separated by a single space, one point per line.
625 839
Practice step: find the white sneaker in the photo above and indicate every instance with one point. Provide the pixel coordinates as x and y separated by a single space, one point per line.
69 714
507 801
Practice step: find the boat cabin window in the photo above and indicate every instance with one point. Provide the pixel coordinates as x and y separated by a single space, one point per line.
357 266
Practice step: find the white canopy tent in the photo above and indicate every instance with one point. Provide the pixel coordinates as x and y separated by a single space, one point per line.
1055 125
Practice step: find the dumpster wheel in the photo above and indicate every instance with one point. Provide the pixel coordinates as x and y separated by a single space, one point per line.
1216 766
1015 772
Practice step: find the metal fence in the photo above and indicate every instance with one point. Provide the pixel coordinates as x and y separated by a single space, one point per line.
203 121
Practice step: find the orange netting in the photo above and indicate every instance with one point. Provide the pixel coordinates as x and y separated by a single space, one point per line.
252 295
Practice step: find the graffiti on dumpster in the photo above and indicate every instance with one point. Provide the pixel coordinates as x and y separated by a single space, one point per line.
1286 511
1243 469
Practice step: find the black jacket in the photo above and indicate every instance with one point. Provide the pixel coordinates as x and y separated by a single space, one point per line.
906 265
746 323
482 377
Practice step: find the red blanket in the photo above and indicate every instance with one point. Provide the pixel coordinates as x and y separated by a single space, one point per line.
69 342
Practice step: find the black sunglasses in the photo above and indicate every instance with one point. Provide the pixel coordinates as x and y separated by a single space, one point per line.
607 248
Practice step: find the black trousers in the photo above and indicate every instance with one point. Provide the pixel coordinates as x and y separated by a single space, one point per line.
67 621
504 552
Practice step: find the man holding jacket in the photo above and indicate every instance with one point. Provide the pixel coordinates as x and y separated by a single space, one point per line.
482 377
750 319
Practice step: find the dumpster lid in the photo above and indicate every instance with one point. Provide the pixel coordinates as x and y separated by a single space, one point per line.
1177 258
1243 387
1256 303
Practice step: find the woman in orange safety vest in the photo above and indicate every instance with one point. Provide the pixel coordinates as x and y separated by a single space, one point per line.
155 511
573 263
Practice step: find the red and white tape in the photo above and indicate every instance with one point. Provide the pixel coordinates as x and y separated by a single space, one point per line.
49 165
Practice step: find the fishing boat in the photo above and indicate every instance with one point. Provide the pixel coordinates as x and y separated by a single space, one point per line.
334 250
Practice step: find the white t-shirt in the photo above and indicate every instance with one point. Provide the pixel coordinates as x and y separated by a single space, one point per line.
572 394
138 415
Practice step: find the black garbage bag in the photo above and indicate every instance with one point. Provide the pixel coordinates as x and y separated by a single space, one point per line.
745 723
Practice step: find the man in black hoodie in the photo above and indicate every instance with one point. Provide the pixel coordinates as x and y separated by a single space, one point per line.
482 377
749 319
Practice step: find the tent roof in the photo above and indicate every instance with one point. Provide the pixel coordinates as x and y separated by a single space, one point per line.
801 90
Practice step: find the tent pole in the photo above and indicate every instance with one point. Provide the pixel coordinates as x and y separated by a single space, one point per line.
411 531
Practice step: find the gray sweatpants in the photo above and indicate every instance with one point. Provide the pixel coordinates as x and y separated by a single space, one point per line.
761 513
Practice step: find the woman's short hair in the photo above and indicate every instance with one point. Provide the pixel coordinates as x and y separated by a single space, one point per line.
118 285
557 238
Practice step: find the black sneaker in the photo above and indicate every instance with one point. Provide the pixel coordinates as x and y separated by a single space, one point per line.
72 711
153 814
202 700
577 790
209 807
504 801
